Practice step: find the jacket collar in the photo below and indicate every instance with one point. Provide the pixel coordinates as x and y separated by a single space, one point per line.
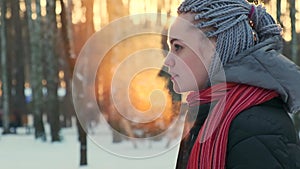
263 66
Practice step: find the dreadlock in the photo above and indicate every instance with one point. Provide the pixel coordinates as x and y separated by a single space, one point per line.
235 27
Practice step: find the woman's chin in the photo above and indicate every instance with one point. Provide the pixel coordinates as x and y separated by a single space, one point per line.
176 88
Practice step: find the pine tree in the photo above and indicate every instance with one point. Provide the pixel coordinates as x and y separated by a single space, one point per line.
294 45
4 70
19 104
36 69
51 70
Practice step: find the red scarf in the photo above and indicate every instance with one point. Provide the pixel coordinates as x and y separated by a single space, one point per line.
209 150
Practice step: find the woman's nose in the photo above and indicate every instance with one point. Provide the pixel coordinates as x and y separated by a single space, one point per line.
170 62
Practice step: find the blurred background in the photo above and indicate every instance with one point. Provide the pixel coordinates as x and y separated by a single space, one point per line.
40 41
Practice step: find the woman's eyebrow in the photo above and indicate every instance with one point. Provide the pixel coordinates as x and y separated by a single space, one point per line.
172 40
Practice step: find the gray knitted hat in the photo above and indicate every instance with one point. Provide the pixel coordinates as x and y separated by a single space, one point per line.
238 25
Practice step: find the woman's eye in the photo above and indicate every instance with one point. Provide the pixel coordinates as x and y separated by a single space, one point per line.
177 47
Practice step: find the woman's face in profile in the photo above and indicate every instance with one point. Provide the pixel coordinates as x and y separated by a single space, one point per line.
190 54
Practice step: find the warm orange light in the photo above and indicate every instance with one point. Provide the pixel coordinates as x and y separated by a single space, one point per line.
61 74
96 12
8 13
58 21
58 8
63 84
27 85
148 93
44 82
33 10
33 16
77 12
297 16
22 6
43 7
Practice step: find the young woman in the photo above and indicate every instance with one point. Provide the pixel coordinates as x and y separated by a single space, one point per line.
226 53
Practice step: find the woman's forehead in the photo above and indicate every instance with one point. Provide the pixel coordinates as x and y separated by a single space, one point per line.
183 22
183 27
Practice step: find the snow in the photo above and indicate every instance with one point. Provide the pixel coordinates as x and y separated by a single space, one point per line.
22 151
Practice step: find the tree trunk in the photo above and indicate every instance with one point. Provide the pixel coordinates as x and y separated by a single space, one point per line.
67 32
4 67
89 25
115 9
83 143
19 97
26 55
36 71
278 13
294 47
89 30
51 70
159 8
67 55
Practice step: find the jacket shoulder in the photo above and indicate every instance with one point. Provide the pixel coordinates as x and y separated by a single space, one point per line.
263 136
269 118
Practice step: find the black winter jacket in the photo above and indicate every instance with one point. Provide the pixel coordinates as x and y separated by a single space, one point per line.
261 137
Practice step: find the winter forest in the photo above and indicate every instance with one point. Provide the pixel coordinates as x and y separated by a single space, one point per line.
65 98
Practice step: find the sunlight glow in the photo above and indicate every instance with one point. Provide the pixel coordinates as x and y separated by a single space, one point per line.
285 17
100 14
61 74
44 82
27 85
96 12
66 3
43 3
22 6
283 6
298 16
135 7
58 21
8 13
33 11
141 88
62 84
77 12
43 7
33 16
58 8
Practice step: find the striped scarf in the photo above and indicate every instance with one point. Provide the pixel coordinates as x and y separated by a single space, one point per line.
209 150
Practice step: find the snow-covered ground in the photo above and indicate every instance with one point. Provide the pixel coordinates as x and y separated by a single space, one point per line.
22 151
